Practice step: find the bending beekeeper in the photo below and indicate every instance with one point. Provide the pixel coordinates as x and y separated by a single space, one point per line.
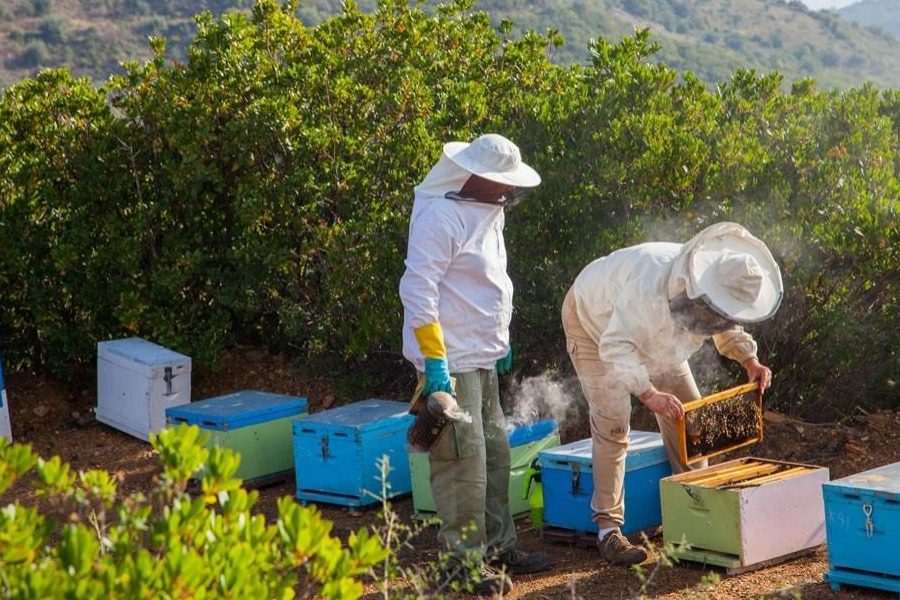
633 318
457 300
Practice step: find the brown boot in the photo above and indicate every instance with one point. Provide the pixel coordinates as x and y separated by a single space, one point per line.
617 550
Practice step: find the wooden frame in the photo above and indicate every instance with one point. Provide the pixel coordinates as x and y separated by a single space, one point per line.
711 399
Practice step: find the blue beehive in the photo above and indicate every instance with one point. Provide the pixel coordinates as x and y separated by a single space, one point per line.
336 453
862 528
568 486
255 424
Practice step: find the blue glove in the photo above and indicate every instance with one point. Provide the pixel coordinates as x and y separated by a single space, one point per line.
504 365
437 376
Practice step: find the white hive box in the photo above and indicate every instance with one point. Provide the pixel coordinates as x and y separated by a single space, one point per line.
5 429
137 381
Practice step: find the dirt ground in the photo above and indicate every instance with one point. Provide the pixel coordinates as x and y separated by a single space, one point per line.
58 419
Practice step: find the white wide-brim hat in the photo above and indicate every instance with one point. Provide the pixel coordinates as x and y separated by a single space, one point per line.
493 157
735 273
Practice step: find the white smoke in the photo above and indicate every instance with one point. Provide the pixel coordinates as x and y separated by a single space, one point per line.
541 397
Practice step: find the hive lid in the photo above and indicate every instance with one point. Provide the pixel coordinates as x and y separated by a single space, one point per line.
720 423
365 415
884 479
525 434
139 354
645 448
240 409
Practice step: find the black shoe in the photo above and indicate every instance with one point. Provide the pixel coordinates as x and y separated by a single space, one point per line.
485 581
517 562
616 549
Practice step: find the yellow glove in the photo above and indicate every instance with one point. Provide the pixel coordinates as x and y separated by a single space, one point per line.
437 369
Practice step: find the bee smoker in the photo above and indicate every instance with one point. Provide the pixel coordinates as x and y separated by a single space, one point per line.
432 417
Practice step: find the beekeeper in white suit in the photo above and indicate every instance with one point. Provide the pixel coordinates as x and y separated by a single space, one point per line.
633 318
457 300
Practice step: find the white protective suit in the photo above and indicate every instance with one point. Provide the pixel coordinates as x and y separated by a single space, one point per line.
622 302
456 274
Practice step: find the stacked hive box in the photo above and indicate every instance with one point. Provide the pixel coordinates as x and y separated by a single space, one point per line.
744 513
525 442
862 522
255 424
336 453
137 381
566 473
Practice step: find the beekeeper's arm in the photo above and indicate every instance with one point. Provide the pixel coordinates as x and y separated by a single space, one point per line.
738 345
618 346
432 245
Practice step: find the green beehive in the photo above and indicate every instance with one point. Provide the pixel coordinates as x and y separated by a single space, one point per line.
525 443
256 425
744 513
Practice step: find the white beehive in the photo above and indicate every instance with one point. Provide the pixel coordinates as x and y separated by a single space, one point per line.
137 381
5 429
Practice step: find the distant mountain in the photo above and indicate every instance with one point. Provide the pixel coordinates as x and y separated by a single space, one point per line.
93 37
711 38
877 14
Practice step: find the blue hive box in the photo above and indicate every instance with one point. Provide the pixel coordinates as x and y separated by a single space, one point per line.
336 453
862 529
568 485
255 424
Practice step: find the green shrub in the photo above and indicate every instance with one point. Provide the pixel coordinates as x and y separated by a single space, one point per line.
168 543
42 8
34 55
259 191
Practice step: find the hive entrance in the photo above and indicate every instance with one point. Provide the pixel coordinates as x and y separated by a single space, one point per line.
721 422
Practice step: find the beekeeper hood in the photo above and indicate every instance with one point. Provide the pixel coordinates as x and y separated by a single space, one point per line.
491 156
731 271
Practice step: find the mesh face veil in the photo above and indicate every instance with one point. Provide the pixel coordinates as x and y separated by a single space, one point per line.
697 316
508 200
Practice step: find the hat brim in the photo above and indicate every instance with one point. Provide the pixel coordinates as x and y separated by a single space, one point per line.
710 288
521 176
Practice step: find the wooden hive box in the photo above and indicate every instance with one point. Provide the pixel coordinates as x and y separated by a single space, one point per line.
862 524
525 442
137 381
255 424
566 473
744 513
336 453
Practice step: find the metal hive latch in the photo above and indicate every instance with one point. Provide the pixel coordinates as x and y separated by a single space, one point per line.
168 377
870 524
324 444
576 478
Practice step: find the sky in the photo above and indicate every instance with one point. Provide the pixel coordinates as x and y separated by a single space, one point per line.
819 4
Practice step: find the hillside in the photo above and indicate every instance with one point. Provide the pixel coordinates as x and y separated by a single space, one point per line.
91 37
712 38
881 15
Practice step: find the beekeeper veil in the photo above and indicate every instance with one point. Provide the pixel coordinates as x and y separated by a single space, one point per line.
731 272
491 156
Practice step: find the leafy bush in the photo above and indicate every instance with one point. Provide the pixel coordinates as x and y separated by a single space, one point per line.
168 544
34 55
259 192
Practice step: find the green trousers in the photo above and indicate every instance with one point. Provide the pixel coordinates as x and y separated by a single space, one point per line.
470 472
